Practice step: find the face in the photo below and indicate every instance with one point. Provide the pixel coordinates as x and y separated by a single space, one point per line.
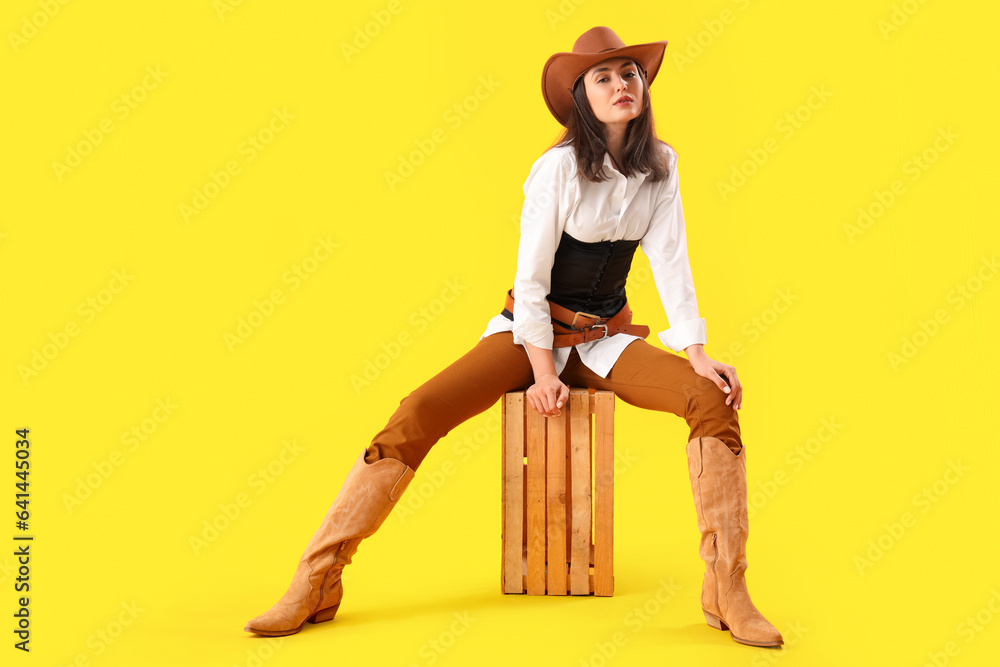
609 81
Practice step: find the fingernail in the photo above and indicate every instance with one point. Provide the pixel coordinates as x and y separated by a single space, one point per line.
725 389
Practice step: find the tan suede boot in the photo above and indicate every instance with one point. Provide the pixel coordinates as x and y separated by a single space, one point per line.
719 485
369 493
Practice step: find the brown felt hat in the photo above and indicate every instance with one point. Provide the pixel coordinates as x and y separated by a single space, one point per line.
563 69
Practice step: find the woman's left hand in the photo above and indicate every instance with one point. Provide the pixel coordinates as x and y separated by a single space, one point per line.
714 370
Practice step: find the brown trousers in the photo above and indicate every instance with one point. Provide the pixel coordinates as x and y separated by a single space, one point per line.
644 375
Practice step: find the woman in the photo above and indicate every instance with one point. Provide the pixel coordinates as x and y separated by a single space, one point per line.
608 186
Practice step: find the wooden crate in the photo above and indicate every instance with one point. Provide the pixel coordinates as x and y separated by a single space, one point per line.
550 465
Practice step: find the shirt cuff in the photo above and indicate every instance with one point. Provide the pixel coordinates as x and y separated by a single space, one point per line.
683 334
538 334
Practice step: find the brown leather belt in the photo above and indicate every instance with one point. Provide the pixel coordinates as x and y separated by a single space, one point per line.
585 327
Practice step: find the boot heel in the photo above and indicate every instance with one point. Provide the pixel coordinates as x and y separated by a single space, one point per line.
714 621
324 614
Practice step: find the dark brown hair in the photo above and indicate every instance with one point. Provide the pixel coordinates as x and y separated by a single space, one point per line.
586 134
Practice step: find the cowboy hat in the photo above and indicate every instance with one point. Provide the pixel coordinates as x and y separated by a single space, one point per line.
563 69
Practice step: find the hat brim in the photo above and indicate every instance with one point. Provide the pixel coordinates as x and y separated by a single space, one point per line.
562 69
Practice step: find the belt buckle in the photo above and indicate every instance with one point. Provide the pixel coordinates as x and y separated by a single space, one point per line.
572 325
605 330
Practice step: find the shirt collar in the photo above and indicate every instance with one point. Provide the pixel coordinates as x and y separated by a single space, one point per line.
639 178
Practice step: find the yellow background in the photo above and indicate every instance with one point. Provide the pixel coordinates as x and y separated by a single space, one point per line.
429 259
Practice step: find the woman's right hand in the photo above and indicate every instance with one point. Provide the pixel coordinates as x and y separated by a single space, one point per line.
548 395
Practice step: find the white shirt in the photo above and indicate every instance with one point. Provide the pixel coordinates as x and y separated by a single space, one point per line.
556 199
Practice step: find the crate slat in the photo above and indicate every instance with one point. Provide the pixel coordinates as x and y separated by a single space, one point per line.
604 496
555 495
580 464
536 501
512 444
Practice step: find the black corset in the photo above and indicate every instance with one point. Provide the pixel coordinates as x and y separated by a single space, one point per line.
589 277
